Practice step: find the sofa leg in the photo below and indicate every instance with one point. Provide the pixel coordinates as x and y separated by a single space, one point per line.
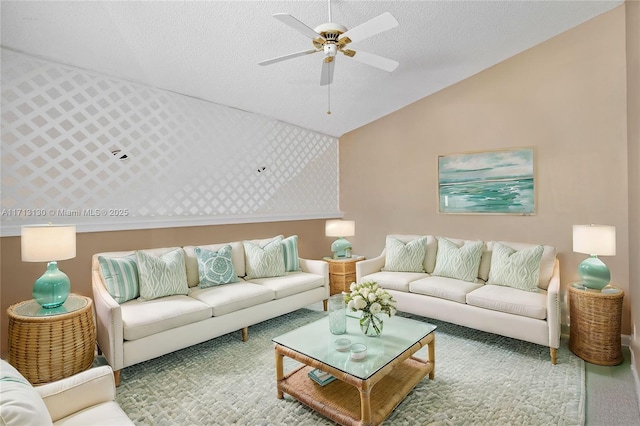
324 304
554 356
116 377
245 334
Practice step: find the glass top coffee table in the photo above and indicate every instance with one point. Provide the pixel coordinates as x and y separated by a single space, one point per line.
390 366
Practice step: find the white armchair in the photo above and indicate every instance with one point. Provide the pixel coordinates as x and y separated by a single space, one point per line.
85 398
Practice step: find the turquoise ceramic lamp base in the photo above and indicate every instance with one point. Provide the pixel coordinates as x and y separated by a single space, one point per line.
52 288
341 248
594 273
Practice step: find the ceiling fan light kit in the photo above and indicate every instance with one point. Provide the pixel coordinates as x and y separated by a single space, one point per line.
331 38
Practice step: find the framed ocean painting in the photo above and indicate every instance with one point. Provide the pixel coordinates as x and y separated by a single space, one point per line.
490 182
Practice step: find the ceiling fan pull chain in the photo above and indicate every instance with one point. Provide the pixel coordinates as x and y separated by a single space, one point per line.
329 99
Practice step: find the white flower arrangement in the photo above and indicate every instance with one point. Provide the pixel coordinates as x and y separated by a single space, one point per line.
369 297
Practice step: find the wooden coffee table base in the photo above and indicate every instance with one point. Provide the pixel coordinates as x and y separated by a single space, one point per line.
350 400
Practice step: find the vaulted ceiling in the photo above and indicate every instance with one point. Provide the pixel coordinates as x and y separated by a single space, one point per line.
211 49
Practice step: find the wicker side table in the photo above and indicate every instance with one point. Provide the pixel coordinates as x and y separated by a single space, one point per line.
50 344
596 324
342 272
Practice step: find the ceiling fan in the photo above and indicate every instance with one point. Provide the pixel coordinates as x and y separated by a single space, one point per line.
331 38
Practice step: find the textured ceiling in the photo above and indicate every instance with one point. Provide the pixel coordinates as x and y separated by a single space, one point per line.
210 49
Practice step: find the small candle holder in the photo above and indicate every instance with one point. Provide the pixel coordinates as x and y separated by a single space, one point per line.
342 345
358 351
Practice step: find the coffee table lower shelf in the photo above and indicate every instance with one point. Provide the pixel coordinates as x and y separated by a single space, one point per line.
341 402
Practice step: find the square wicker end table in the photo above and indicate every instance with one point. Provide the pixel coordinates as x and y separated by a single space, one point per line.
366 391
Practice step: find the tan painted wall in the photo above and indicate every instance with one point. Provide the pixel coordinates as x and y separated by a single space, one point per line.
17 277
566 97
633 135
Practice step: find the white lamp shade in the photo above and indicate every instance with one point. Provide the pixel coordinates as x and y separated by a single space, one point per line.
46 243
340 228
597 240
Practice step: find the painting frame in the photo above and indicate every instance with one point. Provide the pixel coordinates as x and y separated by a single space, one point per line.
500 181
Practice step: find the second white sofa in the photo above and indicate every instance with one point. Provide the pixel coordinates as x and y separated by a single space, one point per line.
137 326
506 288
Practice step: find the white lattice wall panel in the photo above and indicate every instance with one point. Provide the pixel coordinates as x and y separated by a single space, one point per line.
185 158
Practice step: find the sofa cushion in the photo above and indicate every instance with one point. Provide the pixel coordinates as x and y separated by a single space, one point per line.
264 260
394 280
460 261
120 277
292 283
431 249
290 252
516 268
444 288
162 276
191 260
547 262
405 257
509 300
229 298
215 267
20 403
144 318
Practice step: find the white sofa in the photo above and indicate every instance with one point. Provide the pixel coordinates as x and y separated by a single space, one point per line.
137 330
532 316
86 398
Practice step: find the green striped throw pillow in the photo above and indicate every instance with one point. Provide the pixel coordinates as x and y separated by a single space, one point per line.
290 251
121 277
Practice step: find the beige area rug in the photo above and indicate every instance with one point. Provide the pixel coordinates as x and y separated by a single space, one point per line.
480 379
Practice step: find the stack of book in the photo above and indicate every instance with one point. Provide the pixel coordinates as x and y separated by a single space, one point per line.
320 377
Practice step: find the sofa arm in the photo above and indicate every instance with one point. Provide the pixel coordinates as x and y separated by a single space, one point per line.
369 266
109 326
72 394
318 267
553 307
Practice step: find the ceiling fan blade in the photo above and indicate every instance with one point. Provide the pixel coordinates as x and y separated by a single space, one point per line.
327 73
385 64
289 56
374 26
289 20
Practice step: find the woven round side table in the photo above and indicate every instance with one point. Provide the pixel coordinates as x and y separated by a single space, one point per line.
596 324
50 344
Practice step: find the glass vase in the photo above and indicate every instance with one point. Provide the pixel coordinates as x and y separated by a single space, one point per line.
337 314
370 324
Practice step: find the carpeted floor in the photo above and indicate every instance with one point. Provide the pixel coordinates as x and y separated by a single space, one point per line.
480 378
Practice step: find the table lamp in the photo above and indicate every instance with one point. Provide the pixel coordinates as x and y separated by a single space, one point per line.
595 240
49 243
341 248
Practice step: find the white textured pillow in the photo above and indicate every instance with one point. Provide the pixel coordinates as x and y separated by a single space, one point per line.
401 257
21 403
162 276
264 261
515 268
461 263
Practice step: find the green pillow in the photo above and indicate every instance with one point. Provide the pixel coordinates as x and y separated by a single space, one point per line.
401 257
517 269
461 263
290 252
162 276
266 261
215 267
121 277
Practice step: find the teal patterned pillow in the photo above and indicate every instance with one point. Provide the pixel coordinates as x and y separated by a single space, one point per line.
290 251
401 257
120 276
266 261
517 269
162 276
215 267
461 263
